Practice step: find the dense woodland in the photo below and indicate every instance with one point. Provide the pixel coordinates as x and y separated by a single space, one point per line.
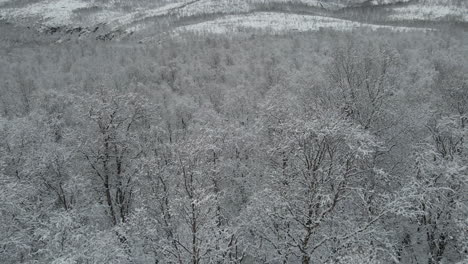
324 147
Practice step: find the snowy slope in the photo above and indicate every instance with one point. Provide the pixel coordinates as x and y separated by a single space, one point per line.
50 12
314 3
125 16
430 12
73 12
279 22
87 13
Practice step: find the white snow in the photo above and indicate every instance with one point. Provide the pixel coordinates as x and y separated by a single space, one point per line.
66 13
278 22
429 12
118 19
214 6
386 2
51 12
61 13
180 9
316 3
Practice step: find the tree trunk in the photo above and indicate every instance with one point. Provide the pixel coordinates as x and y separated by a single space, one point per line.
195 258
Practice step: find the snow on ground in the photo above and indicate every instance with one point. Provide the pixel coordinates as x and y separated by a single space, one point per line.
277 23
429 12
316 3
50 12
66 12
182 9
214 6
141 14
387 2
61 12
54 13
89 13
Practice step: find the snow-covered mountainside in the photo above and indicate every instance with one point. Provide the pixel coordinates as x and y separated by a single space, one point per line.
215 15
279 22
430 12
90 12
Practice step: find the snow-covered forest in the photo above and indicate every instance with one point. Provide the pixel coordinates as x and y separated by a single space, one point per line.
323 146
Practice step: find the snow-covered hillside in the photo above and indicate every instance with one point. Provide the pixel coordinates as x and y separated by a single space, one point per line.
123 16
430 12
76 12
58 12
279 22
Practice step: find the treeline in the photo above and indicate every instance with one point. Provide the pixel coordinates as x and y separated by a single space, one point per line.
311 148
